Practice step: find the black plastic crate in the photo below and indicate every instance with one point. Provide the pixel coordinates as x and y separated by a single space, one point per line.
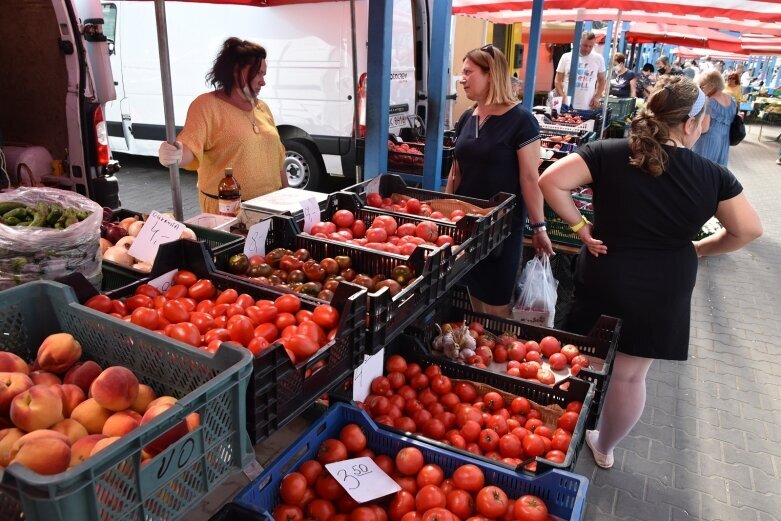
279 390
601 342
412 162
565 391
234 512
116 276
387 316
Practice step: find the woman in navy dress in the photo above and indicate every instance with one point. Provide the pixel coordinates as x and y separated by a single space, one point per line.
497 150
651 196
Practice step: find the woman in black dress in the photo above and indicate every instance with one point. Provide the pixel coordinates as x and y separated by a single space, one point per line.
497 150
651 196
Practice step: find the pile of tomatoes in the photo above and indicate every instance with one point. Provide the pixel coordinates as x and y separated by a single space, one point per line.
429 403
384 233
312 493
526 359
404 154
195 312
412 206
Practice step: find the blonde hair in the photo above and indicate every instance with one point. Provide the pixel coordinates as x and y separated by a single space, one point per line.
668 107
494 64
711 82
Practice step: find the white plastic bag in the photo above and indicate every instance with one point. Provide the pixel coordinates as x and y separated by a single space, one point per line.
537 303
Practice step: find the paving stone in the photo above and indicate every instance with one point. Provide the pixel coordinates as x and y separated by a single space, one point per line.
601 498
712 510
665 403
658 493
764 516
765 483
733 437
592 512
751 459
662 470
761 444
742 497
626 480
679 514
684 457
712 465
730 393
686 409
684 440
655 432
639 444
716 487
631 508
663 419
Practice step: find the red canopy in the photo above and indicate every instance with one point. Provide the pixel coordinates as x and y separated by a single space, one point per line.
703 37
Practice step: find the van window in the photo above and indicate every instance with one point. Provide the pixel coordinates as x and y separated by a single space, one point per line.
109 21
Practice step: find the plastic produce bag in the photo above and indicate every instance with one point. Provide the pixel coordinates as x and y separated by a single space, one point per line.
537 303
31 253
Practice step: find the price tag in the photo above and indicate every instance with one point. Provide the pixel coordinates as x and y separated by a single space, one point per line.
362 479
164 282
256 238
311 212
370 369
158 229
374 185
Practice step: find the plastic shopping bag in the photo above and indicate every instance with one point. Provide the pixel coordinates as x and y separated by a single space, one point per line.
537 303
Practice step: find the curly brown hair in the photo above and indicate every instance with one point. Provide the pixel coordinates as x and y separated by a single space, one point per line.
667 108
235 55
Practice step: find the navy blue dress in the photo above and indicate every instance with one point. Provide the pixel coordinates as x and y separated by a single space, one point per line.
647 223
487 157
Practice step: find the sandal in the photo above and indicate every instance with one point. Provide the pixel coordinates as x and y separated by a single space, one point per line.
603 460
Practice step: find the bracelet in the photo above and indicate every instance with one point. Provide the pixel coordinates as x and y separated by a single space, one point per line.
537 225
539 229
580 224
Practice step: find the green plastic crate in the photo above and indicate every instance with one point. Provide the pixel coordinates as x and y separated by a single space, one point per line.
113 484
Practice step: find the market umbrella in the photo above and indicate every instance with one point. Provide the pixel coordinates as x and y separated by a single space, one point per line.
701 37
688 52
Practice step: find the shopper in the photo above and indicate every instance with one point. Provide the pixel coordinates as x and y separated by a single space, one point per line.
590 80
690 70
497 150
663 67
651 196
733 87
623 84
230 128
721 109
645 81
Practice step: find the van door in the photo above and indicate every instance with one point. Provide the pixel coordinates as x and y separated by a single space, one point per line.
114 119
402 85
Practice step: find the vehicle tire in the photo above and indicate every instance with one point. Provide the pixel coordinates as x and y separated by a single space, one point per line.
301 166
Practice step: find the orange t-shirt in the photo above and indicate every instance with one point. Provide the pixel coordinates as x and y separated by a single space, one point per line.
221 136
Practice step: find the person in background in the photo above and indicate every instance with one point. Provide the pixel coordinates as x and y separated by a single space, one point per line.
663 67
706 65
733 87
690 70
714 141
719 66
497 150
645 81
623 84
652 194
590 80
745 79
230 127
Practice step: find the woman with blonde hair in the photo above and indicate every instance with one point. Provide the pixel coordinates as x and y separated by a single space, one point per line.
497 149
721 109
733 87
652 194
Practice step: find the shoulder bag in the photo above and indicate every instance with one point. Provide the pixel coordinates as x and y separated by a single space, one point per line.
737 130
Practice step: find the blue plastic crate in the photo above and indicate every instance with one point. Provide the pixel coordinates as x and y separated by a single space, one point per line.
114 484
564 493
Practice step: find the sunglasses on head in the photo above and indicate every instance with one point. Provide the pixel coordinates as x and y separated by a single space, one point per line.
489 49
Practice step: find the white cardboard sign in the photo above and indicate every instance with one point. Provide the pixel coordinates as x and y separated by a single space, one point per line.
362 479
164 282
256 238
363 375
311 212
373 187
158 229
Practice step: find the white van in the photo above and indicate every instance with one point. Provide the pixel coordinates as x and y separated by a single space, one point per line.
55 80
310 82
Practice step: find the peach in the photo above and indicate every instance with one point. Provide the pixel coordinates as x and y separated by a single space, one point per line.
72 395
146 395
167 438
82 374
116 388
39 407
90 414
121 423
82 449
44 452
12 384
58 353
72 429
193 421
12 363
163 400
45 378
7 439
102 444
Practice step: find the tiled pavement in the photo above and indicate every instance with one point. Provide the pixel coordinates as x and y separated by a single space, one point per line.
708 445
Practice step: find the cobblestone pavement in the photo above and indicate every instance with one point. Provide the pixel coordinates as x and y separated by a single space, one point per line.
708 445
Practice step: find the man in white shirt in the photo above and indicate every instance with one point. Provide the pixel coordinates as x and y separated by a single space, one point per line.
590 80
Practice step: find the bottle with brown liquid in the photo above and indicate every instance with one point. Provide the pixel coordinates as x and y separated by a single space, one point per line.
229 194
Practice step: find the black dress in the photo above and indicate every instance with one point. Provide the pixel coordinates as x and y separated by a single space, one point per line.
647 223
487 157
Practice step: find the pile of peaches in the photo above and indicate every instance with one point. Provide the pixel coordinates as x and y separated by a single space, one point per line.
59 411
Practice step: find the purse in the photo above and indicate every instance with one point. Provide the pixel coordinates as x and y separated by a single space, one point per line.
737 129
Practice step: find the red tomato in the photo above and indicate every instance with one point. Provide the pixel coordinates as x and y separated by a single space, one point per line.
430 474
185 332
118 307
533 445
428 497
244 300
257 345
555 456
376 235
241 329
387 222
546 377
437 514
320 510
549 345
328 488
574 406
466 392
332 451
444 239
175 312
221 334
284 320
288 304
568 421
557 361
358 229
311 469
285 512
145 317
374 199
188 303
531 345
491 502
148 290
138 301
441 384
326 316
185 278
302 315
510 446
363 514
293 488
353 438
313 331
427 231
100 303
409 461
228 296
460 503
530 508
203 289
343 218
267 331
570 352
561 442
489 440
580 360
176 291
402 503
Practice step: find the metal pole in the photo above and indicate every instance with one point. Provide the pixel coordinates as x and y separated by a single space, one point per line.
535 31
609 71
606 51
356 102
168 104
572 78
378 88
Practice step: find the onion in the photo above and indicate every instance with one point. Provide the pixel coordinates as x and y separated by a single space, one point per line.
114 232
108 214
104 245
187 233
142 266
119 255
127 221
134 228
125 242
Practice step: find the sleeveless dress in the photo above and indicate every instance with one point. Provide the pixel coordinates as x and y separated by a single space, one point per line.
714 144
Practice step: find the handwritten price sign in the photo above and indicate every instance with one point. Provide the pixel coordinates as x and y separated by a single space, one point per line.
373 187
256 238
362 479
311 212
158 229
164 282
371 368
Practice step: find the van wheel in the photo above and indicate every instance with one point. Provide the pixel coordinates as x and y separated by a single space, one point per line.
301 166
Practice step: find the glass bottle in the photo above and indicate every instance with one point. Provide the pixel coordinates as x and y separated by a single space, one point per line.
229 195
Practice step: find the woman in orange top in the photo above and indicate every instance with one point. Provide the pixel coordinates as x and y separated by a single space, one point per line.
230 128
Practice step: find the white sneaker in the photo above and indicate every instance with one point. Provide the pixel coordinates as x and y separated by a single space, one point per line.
603 460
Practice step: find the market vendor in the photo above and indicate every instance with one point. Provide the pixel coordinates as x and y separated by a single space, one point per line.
231 128
590 80
497 150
